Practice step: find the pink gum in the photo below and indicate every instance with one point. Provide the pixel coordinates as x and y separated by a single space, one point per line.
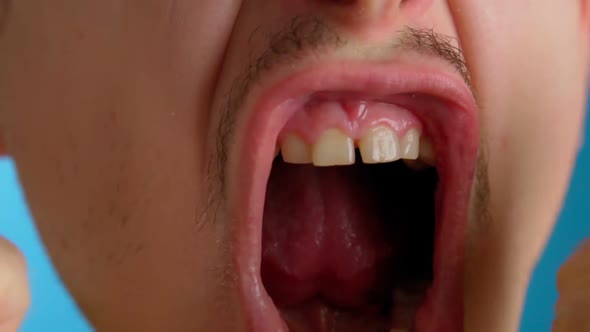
353 118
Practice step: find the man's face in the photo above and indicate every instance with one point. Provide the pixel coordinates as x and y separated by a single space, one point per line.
144 133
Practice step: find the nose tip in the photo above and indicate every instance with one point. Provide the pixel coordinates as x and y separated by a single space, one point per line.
375 17
364 12
378 7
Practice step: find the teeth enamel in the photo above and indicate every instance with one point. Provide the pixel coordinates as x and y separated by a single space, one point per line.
410 144
333 148
277 150
379 145
427 154
294 150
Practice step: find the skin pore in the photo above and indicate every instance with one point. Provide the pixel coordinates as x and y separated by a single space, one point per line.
112 112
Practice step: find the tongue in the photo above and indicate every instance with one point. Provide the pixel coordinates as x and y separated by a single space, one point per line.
323 237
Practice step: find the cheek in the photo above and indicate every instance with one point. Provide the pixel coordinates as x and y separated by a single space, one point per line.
525 59
108 131
532 96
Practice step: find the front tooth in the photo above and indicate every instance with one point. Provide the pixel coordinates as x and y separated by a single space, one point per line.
294 150
333 148
411 144
379 145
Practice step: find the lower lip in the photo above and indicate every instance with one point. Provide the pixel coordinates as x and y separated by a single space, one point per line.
455 167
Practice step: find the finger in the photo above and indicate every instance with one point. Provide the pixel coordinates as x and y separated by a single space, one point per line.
14 289
573 284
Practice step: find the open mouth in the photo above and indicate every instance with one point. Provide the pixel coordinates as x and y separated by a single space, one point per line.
354 191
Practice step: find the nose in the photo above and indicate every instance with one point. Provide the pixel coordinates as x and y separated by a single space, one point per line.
371 15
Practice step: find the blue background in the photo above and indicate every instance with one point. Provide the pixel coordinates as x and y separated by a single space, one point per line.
53 310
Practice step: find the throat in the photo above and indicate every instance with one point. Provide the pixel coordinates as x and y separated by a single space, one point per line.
323 236
339 242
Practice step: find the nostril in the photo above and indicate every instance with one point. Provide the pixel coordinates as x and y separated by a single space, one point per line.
363 15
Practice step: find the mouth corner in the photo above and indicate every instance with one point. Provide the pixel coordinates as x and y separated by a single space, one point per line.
257 154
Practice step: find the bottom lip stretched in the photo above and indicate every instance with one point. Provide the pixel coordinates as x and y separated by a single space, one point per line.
451 123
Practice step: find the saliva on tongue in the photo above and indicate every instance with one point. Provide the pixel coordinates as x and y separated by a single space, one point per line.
324 239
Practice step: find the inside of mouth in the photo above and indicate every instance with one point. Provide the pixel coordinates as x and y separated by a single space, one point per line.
348 248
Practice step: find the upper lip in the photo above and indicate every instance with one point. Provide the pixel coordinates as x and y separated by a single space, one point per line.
268 108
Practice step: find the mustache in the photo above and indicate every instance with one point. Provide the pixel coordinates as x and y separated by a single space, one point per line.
304 35
480 217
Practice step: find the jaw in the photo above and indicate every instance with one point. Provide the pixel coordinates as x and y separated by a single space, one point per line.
448 113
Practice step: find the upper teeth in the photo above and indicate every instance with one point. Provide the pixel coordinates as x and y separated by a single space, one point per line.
427 153
379 144
294 150
411 144
333 148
